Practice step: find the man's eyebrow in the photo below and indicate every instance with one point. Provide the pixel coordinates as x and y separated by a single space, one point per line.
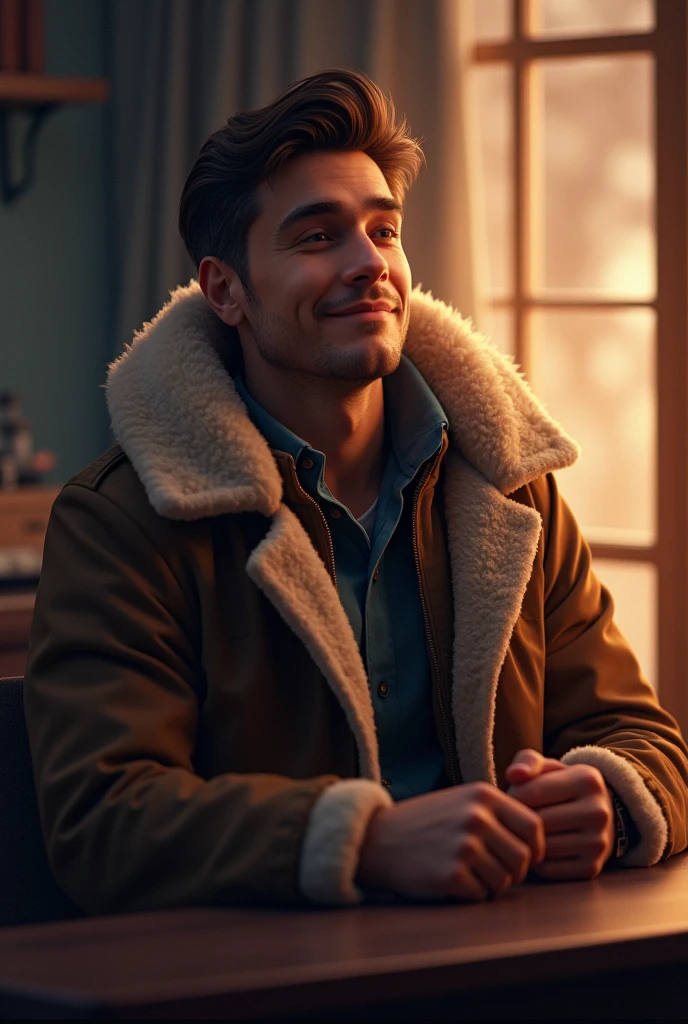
330 206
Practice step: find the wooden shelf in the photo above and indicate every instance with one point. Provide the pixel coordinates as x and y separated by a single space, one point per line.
24 88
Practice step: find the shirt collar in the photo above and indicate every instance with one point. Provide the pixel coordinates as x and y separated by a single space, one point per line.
415 418
275 433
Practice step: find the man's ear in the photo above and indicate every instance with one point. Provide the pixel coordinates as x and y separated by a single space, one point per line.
224 291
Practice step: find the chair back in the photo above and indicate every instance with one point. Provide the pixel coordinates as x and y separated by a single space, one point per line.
28 891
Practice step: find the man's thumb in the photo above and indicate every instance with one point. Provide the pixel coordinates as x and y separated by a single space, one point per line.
526 765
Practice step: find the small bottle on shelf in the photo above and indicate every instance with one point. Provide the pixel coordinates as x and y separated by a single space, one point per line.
10 429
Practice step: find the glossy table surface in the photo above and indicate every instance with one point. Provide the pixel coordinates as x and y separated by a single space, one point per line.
262 962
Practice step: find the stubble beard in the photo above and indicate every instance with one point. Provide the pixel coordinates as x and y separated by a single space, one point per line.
288 350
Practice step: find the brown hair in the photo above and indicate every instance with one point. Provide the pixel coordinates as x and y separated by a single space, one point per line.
332 110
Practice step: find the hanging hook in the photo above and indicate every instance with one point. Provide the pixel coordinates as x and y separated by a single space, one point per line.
9 189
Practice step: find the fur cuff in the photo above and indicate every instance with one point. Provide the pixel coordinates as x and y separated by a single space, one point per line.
630 788
334 836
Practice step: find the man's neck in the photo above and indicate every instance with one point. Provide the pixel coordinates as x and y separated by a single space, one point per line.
345 423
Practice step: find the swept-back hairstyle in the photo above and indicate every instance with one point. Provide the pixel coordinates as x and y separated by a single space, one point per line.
332 110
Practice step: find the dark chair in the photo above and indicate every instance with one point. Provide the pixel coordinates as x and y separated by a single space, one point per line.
28 891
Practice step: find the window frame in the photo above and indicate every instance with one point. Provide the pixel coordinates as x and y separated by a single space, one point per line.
667 44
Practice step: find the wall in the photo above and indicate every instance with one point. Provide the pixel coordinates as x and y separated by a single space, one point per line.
55 274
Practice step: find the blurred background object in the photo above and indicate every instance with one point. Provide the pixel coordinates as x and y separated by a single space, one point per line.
24 512
22 36
19 463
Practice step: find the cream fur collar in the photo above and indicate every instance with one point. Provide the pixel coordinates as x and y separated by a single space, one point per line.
177 414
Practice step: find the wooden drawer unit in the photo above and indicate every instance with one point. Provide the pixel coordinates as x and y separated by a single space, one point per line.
24 515
16 612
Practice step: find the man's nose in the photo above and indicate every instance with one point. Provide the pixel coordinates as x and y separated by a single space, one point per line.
365 262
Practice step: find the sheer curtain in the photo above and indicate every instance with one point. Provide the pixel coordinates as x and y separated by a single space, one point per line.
180 68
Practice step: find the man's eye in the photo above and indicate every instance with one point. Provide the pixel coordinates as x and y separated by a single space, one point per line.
317 236
391 233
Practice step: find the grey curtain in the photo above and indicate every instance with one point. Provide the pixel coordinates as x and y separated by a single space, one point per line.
181 67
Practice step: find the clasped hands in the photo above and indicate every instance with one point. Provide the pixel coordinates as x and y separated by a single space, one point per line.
475 841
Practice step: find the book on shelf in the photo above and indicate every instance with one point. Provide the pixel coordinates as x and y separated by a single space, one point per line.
11 57
22 36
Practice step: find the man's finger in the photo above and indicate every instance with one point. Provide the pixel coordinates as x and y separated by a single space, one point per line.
511 851
569 870
523 822
491 872
588 813
555 787
575 844
528 761
466 886
529 764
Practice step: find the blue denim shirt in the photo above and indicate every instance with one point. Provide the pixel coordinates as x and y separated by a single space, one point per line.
384 607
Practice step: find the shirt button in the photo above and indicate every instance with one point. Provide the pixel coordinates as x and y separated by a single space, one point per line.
335 513
376 573
386 782
383 690
307 463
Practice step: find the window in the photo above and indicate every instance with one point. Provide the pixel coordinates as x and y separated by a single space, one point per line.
583 115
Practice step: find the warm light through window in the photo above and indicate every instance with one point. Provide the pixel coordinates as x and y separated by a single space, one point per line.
594 218
595 373
567 143
590 17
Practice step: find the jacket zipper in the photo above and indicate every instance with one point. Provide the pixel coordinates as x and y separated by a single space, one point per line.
428 633
330 552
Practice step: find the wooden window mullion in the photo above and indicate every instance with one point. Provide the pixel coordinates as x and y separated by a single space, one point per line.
520 191
671 127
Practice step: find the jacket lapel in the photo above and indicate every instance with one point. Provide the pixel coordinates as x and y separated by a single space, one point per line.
289 571
492 545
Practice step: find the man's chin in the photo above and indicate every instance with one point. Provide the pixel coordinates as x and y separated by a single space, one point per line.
363 364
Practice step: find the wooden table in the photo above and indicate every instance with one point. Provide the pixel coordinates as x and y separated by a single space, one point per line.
616 947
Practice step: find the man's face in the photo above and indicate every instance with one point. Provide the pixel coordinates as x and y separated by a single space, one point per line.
329 277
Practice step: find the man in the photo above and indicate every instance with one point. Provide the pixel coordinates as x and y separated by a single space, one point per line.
320 625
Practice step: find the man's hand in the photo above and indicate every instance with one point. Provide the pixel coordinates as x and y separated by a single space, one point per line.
470 841
576 810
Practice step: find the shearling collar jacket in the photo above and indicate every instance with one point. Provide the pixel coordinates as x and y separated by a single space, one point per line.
198 708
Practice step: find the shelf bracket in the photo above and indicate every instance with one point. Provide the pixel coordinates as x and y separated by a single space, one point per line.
12 188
